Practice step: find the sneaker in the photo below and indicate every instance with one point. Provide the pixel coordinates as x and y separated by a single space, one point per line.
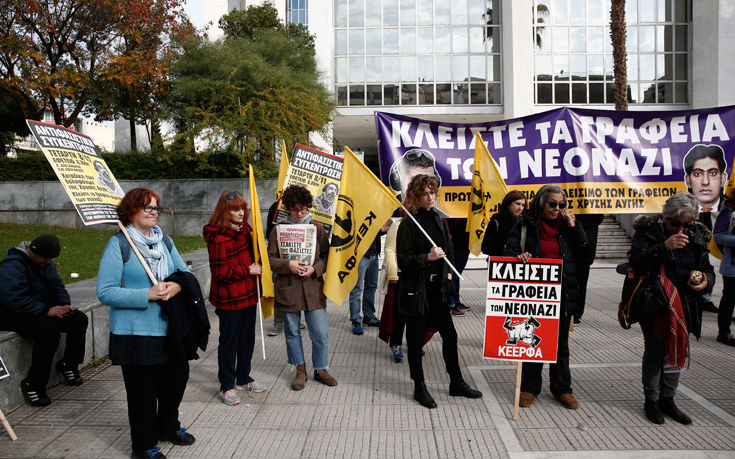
729 339
356 328
397 353
69 373
456 312
153 452
462 307
253 386
230 397
181 437
371 321
34 397
277 329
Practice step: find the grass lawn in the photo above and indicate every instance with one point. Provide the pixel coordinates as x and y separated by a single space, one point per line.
80 248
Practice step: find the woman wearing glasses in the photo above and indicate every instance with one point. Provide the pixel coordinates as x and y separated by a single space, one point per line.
154 381
299 288
551 232
233 293
677 241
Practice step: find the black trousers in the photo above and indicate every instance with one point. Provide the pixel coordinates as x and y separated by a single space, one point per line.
236 344
46 332
560 378
727 304
399 320
154 395
656 382
440 317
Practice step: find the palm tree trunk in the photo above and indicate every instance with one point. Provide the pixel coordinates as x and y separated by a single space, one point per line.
617 36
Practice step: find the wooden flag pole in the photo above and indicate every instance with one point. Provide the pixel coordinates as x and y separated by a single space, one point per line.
137 253
518 391
260 316
8 429
432 242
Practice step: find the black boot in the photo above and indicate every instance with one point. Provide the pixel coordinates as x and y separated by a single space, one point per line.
421 395
653 414
459 388
669 408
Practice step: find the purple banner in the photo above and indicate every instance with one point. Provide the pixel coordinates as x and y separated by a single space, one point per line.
611 160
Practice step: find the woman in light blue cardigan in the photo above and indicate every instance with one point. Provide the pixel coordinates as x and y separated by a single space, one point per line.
154 382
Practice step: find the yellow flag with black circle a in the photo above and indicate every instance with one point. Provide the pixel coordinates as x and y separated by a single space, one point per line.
364 205
488 188
260 251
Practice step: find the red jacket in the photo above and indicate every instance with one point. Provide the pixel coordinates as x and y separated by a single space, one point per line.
230 255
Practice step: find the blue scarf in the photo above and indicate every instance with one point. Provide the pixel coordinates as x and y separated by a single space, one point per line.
152 249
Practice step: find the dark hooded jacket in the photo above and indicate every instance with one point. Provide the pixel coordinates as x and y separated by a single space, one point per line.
27 288
188 324
574 251
648 252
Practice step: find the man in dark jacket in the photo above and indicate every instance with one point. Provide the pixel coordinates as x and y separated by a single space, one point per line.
35 304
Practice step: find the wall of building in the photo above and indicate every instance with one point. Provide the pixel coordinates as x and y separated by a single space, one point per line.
188 203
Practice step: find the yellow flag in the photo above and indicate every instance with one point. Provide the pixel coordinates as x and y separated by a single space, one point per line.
260 252
364 205
282 170
488 187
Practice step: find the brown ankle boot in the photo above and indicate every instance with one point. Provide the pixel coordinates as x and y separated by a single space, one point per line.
300 380
324 377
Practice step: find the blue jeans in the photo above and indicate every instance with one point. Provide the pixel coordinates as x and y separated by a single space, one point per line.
367 283
460 261
316 320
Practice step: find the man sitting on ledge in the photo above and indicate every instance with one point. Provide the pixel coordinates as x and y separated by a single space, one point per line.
35 304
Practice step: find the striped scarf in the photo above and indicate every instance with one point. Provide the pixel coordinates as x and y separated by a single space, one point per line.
677 335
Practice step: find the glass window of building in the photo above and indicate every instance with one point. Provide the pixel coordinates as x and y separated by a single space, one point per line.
573 51
298 11
417 52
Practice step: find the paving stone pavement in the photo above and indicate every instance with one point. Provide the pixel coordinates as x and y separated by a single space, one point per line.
371 413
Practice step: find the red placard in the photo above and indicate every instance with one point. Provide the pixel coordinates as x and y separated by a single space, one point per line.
523 309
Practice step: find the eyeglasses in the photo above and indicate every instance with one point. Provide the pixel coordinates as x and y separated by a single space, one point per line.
303 210
678 224
231 195
151 209
554 204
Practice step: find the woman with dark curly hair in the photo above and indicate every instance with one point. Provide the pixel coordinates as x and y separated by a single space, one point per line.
299 287
233 293
155 380
425 283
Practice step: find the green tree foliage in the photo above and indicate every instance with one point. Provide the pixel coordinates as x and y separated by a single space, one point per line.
241 93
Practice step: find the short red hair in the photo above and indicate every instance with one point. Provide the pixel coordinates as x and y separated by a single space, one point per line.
134 200
221 214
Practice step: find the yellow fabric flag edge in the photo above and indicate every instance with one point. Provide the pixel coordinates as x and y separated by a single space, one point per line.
260 252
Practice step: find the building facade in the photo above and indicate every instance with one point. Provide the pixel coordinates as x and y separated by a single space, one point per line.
485 60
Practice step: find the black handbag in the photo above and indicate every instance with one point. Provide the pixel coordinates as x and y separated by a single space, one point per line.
643 297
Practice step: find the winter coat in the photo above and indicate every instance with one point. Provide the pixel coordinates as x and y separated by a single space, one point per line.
497 232
295 293
230 255
648 252
412 250
124 288
574 249
27 288
188 324
725 239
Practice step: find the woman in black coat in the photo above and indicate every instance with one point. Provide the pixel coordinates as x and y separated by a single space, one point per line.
551 232
425 282
502 222
677 241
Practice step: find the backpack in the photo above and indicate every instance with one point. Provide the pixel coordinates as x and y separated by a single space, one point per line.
125 245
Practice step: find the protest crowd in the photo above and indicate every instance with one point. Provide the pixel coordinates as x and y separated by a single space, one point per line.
158 318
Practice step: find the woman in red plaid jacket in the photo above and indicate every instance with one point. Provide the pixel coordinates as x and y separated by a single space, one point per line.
233 293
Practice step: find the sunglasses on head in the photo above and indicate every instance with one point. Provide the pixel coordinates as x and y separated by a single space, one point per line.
554 204
231 195
418 153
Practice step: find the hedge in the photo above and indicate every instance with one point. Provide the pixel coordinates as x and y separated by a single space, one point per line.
32 167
